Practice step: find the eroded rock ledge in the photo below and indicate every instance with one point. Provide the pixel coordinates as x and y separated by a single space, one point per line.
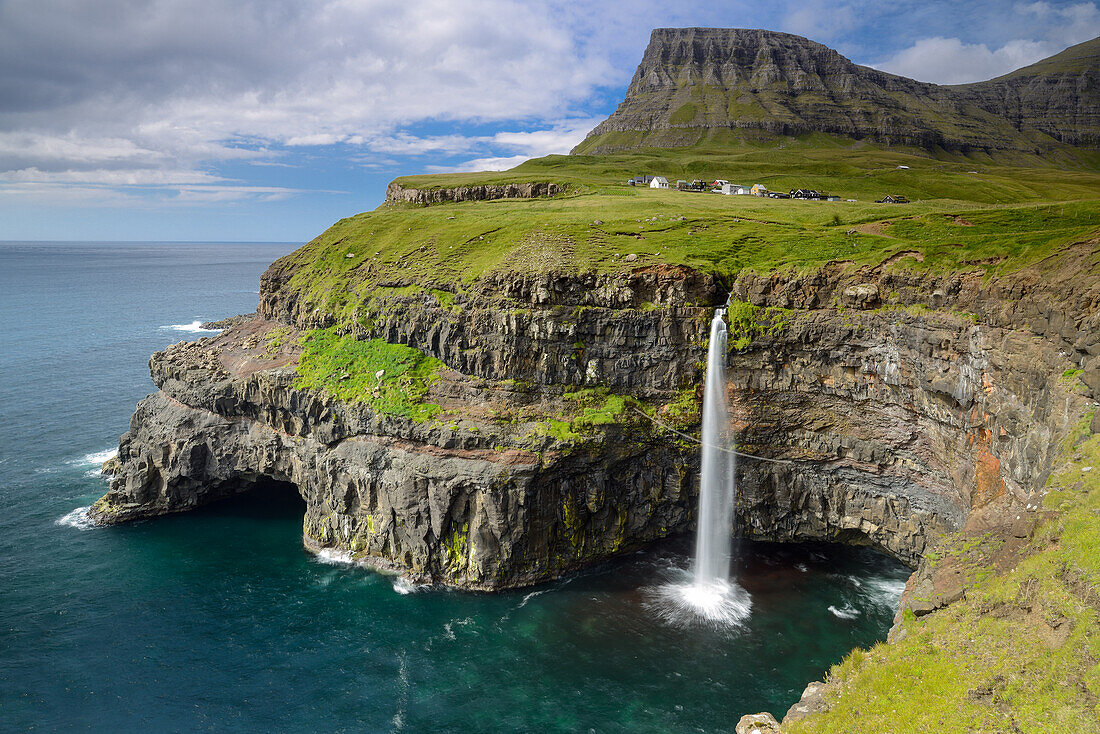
396 193
899 410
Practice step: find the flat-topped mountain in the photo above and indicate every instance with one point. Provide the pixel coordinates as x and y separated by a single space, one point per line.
715 85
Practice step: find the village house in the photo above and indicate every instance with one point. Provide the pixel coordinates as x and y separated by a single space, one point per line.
734 189
640 181
806 194
892 199
759 190
681 185
658 182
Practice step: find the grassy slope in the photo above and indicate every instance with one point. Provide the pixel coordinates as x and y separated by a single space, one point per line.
1018 215
1021 653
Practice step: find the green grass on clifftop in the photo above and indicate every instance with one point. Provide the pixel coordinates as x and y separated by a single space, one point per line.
965 215
391 378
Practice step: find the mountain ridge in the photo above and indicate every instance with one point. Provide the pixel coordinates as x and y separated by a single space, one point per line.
697 85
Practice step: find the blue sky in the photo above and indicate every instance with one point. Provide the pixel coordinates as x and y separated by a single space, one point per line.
267 120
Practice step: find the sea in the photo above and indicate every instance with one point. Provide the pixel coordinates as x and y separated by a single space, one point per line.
219 620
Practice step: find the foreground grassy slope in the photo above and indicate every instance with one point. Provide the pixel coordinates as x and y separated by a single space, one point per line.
1021 653
990 217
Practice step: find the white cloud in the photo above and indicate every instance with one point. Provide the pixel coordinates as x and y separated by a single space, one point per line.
1050 28
950 61
132 88
482 164
820 20
167 94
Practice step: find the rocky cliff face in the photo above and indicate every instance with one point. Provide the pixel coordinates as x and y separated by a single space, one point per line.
396 193
895 408
695 83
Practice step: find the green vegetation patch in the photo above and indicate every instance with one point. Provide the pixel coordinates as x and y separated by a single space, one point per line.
391 378
748 321
684 114
592 408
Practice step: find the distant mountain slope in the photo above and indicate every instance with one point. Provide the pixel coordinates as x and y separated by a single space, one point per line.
696 85
1059 96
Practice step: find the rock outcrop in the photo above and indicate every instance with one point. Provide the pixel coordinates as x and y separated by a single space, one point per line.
396 193
887 423
696 85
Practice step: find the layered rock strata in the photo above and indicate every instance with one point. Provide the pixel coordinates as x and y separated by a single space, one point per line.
893 407
396 193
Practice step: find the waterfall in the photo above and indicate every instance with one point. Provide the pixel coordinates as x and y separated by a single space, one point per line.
707 594
716 476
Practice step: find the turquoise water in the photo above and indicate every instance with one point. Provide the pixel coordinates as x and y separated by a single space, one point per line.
218 620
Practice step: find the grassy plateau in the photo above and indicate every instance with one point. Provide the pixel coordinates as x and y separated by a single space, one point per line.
965 214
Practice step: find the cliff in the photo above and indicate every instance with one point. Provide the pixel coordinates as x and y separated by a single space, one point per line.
720 85
894 424
397 193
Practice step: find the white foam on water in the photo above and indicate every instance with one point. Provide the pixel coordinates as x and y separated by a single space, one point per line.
529 597
846 613
334 557
403 586
885 591
195 327
78 519
718 604
98 457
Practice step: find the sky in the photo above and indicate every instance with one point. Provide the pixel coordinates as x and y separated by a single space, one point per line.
268 120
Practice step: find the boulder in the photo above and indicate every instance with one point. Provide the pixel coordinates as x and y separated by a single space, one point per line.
763 723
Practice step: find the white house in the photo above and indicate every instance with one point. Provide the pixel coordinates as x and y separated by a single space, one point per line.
734 189
658 182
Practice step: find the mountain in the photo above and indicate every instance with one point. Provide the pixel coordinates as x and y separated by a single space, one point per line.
719 85
1059 96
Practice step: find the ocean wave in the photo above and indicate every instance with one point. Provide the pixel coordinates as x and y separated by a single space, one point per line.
78 519
195 327
334 557
403 586
845 613
98 457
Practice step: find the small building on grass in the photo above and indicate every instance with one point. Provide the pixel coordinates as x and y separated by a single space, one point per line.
759 190
658 182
